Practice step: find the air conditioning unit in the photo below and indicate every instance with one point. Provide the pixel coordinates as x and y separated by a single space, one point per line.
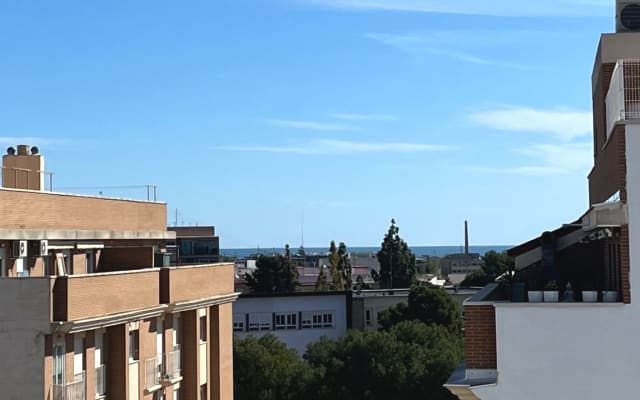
44 247
19 249
627 16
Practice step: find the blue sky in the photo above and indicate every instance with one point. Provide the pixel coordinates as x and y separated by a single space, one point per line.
249 114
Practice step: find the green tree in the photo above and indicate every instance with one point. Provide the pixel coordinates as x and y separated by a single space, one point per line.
273 274
410 361
321 282
397 262
266 369
428 304
344 265
334 268
494 264
476 278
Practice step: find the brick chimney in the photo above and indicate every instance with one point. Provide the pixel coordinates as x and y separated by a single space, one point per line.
23 169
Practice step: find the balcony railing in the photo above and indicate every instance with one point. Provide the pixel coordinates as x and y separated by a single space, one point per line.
172 368
152 373
623 97
101 381
71 391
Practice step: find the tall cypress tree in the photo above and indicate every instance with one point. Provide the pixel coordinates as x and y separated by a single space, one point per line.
344 265
397 262
337 282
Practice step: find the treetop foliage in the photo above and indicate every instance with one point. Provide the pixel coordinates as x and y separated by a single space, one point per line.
397 262
273 274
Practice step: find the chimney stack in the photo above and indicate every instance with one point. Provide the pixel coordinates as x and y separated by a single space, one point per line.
466 239
23 169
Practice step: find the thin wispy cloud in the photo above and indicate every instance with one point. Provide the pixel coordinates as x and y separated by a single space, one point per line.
363 117
452 44
310 125
551 159
501 8
328 146
563 124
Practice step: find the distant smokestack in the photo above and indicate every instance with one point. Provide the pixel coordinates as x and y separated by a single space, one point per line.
466 239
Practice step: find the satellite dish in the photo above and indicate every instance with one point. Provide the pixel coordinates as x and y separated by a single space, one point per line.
630 16
11 151
35 150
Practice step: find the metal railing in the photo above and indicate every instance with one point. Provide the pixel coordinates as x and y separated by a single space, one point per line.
623 96
71 391
152 372
172 368
101 380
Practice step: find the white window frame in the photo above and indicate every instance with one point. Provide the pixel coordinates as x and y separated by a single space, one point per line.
260 322
238 322
368 316
286 320
58 371
317 319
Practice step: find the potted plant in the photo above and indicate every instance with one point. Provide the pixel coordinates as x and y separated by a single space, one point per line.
609 296
589 295
550 293
534 294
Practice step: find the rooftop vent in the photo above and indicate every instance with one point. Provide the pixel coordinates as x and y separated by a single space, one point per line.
627 16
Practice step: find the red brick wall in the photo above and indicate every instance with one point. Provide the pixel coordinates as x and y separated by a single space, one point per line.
610 171
480 337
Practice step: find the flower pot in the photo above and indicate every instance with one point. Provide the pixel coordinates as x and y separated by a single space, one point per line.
609 296
535 296
550 296
589 296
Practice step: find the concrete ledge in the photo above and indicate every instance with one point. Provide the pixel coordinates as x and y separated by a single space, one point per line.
64 234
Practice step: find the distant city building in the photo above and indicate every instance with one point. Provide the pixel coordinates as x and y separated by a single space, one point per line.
194 245
455 267
297 319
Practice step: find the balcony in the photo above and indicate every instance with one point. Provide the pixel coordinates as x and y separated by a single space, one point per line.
101 381
172 371
153 373
80 297
213 280
623 98
512 346
71 391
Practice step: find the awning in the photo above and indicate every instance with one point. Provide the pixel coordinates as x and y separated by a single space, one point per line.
595 224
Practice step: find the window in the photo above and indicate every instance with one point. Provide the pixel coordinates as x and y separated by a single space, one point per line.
317 319
286 321
134 343
58 364
176 394
238 322
260 322
203 392
90 260
368 314
203 329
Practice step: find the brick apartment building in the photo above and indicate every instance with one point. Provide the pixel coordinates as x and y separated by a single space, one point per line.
85 313
582 347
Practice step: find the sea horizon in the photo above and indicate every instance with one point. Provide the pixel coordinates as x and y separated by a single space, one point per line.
437 251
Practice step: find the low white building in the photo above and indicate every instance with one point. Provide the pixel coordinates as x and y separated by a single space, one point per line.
297 319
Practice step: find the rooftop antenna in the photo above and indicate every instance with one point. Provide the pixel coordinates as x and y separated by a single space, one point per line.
302 228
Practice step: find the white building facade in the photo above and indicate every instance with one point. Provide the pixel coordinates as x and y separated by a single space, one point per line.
297 319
